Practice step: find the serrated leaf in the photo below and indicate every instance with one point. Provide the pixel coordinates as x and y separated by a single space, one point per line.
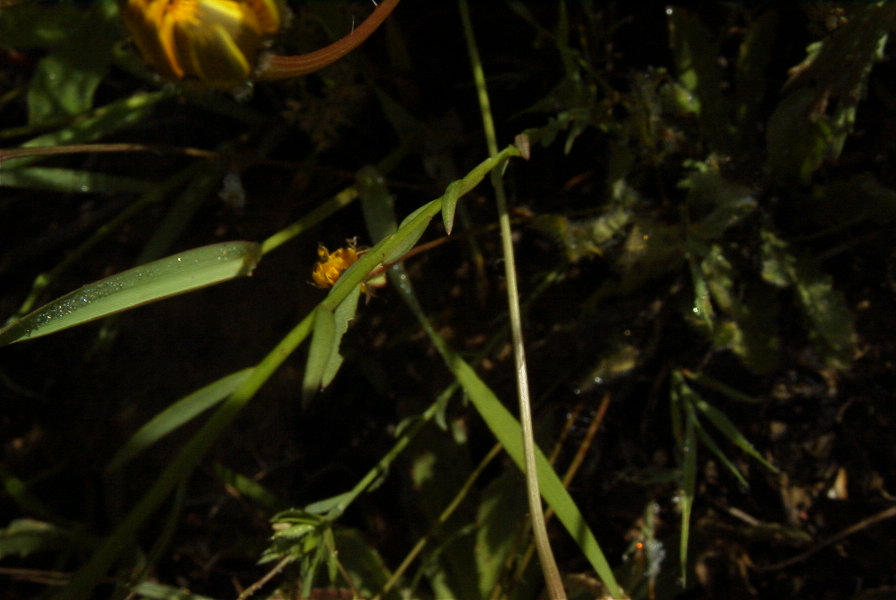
830 322
723 203
797 139
696 59
757 340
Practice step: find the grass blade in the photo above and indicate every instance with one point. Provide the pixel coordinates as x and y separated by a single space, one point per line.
179 413
147 283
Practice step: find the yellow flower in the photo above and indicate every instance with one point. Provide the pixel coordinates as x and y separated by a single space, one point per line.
331 265
215 41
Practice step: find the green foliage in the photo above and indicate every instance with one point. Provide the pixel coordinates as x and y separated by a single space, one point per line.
24 537
683 261
154 281
830 320
79 44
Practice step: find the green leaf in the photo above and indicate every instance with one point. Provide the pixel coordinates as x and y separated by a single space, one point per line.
834 75
92 125
683 420
40 25
755 317
721 422
715 202
690 398
751 76
147 283
714 448
344 314
696 60
509 433
449 205
70 181
335 505
377 204
67 77
718 386
363 563
688 451
720 278
27 536
248 488
324 344
797 139
179 413
395 246
850 200
830 322
746 318
158 591
501 514
499 420
410 230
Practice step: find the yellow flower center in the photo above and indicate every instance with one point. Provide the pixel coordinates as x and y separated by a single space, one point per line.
331 265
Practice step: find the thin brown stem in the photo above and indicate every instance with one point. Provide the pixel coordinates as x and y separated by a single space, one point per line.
285 67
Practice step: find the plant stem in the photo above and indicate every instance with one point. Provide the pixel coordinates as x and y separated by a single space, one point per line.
285 67
539 530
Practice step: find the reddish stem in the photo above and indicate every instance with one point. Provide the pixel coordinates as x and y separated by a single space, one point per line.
285 67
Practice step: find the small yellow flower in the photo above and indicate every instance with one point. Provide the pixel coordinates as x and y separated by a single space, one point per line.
331 265
215 41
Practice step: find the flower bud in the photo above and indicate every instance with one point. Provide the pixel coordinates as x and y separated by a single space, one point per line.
215 41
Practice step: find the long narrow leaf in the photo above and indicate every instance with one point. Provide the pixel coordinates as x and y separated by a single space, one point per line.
179 413
509 433
714 448
87 577
69 181
502 424
147 283
323 345
93 125
724 424
688 452
344 314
